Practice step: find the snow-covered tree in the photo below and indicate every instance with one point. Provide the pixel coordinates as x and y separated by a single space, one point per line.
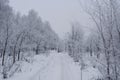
75 41
106 16
6 26
20 33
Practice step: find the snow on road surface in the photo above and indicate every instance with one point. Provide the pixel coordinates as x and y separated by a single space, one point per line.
62 68
58 66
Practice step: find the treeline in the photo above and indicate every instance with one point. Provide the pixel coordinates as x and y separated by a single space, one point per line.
21 33
103 43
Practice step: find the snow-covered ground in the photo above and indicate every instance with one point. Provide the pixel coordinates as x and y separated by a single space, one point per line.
56 66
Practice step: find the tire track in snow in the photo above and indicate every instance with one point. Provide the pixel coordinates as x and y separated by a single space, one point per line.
37 75
62 68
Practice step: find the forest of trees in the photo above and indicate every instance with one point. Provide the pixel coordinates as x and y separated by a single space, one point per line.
103 43
106 41
22 33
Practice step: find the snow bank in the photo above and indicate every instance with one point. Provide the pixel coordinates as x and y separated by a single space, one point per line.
27 70
91 73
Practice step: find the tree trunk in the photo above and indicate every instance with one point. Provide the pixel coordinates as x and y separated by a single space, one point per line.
108 66
37 47
19 51
14 52
4 51
19 55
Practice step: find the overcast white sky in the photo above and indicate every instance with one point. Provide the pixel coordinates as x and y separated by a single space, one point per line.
60 13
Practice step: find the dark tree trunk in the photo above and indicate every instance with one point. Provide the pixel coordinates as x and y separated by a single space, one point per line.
18 55
14 52
37 49
108 66
4 51
19 50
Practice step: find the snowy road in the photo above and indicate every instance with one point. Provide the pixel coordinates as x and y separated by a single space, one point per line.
61 68
57 66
